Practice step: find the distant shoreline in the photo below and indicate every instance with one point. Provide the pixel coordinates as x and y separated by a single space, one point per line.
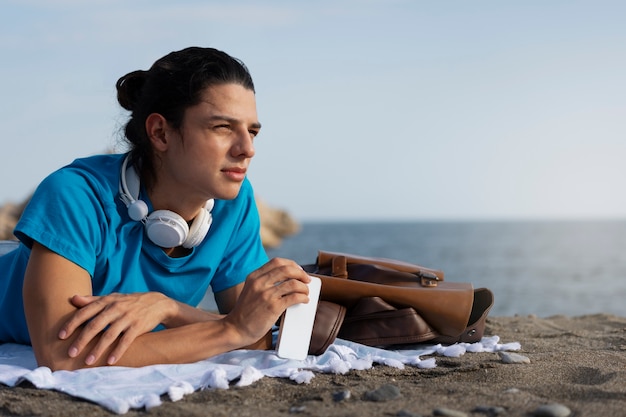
555 220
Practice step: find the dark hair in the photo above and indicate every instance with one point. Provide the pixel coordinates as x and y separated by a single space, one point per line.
173 83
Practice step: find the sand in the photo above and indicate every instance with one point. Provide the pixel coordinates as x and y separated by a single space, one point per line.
578 362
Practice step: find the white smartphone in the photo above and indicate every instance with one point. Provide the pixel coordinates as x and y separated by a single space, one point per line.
296 326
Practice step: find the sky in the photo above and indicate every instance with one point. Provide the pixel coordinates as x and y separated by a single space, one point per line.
371 109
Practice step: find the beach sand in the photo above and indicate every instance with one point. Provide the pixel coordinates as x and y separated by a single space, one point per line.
577 362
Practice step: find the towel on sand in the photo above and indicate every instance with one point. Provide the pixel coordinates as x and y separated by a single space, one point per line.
120 388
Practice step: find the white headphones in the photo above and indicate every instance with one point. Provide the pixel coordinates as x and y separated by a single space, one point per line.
164 227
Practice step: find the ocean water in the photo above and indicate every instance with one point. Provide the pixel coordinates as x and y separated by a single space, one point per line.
535 267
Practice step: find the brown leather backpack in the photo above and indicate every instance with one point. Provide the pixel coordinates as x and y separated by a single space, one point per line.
385 302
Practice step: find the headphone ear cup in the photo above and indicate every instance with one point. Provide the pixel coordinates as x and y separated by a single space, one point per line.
199 229
166 228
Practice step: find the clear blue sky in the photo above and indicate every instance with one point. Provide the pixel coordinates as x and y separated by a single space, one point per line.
371 109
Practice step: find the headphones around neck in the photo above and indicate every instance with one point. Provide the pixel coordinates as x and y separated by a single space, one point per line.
164 227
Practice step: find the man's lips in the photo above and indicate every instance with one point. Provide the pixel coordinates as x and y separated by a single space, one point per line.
235 173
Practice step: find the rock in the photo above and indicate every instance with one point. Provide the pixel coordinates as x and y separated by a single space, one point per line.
297 409
552 410
447 412
276 224
509 357
341 395
9 215
385 392
489 410
405 413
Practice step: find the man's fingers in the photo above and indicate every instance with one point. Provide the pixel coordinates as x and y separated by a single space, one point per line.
281 269
79 318
122 346
290 286
80 301
91 330
105 341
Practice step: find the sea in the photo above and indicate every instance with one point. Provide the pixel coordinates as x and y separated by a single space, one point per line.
541 268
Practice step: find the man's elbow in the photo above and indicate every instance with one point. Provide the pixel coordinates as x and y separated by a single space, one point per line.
58 361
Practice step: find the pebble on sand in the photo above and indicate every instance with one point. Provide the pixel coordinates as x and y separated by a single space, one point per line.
385 392
510 357
447 412
552 410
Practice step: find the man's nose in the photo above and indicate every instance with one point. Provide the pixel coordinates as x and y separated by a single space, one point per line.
244 145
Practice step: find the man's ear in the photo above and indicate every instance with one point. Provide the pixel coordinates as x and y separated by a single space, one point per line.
156 128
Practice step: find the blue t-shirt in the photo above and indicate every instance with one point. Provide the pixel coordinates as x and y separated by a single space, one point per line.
77 212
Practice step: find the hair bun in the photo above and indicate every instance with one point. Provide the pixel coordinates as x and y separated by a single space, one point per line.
129 88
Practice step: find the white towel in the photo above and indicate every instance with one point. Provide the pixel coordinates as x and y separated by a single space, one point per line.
120 388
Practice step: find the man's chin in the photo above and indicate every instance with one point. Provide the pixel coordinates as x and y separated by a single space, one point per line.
230 194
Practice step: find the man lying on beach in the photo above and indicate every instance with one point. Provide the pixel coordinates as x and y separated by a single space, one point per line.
113 247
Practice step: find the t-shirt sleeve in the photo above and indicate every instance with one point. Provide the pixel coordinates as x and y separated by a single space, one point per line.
244 252
66 216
